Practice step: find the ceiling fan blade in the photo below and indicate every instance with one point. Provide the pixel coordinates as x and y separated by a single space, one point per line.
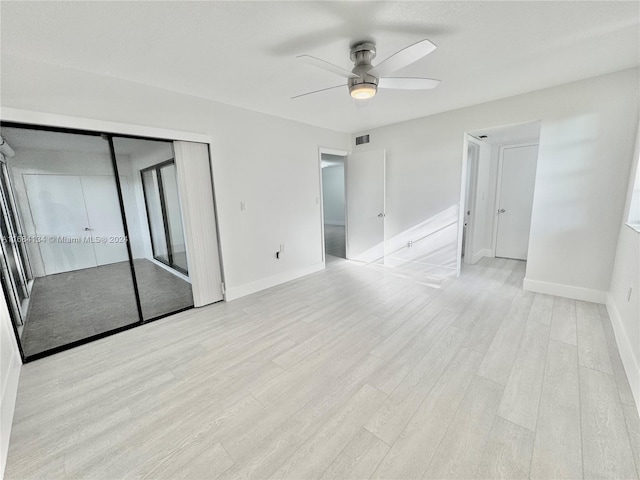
330 67
408 83
404 57
318 91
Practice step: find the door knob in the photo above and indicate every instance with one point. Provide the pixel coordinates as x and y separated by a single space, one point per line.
87 229
382 215
502 210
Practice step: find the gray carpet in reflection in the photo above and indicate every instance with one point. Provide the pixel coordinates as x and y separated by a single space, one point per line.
70 306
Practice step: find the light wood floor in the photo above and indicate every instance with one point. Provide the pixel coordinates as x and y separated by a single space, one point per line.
353 372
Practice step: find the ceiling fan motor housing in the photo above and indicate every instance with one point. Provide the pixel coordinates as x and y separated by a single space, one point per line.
362 55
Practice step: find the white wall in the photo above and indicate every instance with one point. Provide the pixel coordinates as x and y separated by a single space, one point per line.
10 364
269 163
586 143
624 307
333 194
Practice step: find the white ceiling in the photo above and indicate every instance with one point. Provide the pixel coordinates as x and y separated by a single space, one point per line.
243 53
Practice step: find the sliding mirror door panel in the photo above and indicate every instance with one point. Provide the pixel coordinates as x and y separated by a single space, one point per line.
68 211
154 219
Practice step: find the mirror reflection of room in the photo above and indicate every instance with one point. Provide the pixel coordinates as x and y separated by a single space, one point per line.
72 268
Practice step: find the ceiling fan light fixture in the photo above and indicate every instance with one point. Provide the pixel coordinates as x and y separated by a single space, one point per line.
363 91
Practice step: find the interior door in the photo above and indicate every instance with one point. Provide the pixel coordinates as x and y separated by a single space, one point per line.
105 218
518 174
365 191
60 218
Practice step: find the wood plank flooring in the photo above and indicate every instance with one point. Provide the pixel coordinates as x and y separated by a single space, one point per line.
354 372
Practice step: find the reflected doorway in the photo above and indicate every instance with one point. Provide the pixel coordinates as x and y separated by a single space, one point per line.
333 204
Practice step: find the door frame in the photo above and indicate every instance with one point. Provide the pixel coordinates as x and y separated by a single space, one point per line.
496 218
472 187
338 153
463 195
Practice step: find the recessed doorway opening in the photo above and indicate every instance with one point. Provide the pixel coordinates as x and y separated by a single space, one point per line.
499 170
333 205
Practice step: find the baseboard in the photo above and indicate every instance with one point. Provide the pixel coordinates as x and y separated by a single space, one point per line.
567 291
337 224
631 367
9 395
481 254
264 283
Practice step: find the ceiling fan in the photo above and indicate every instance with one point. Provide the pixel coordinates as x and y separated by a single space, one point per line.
365 79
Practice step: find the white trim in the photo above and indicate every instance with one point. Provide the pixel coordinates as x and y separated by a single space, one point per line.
9 395
471 185
64 121
630 363
567 291
481 254
172 271
272 281
463 194
333 151
633 226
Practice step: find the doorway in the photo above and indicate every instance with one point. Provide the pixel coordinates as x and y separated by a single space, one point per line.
498 180
334 205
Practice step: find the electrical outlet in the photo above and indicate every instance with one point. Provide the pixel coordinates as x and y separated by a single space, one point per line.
629 294
410 244
282 248
243 206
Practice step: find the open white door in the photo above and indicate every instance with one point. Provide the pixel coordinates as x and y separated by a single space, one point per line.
365 189
517 180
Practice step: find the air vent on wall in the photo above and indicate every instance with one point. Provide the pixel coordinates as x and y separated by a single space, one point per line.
362 139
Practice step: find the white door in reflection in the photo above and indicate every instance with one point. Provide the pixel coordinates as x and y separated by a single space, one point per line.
60 218
77 220
365 191
105 218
